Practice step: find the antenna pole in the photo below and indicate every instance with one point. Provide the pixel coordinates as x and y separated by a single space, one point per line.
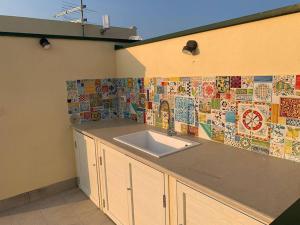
82 17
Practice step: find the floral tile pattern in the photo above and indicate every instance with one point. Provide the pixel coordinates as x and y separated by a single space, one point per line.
256 113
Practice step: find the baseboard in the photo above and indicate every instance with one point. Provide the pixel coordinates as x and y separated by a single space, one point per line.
37 194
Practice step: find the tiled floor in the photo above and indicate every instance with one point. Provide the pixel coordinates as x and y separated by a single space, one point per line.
68 208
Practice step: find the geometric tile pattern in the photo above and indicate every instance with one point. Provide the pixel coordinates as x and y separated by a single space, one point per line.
257 113
102 99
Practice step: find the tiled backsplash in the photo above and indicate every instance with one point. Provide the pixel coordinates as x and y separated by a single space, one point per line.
103 99
258 113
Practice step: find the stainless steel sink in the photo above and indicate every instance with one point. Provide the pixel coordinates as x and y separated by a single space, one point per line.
155 143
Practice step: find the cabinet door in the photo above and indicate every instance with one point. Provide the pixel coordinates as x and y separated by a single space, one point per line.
87 168
148 195
116 173
195 208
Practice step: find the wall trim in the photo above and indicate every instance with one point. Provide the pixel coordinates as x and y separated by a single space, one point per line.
214 26
37 194
35 35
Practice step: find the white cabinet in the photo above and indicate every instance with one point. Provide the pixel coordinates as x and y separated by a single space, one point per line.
116 173
148 194
134 192
86 166
195 208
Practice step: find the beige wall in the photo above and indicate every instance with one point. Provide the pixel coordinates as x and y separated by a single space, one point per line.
265 47
35 139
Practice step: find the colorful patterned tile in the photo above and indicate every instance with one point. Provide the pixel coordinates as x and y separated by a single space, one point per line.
293 151
260 150
225 105
215 103
85 116
185 110
262 92
95 100
242 94
172 88
260 118
209 88
72 96
203 105
95 116
278 133
283 85
244 117
275 113
194 131
223 84
235 82
229 133
218 118
217 133
84 106
230 117
293 122
75 118
73 107
89 86
292 133
263 79
297 82
245 142
150 117
196 83
184 87
204 131
290 107
247 82
277 150
71 85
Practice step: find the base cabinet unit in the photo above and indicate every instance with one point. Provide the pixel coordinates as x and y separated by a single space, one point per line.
148 194
116 183
195 208
134 192
86 166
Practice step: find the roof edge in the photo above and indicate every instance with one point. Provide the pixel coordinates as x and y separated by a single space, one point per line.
214 26
36 35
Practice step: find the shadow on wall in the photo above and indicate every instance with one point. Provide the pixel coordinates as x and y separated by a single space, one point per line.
128 64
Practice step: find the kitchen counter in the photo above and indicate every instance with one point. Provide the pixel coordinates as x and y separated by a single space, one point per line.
259 185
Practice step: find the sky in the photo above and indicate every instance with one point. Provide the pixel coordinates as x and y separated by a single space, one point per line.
151 17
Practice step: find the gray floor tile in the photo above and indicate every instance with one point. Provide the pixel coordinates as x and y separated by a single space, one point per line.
68 208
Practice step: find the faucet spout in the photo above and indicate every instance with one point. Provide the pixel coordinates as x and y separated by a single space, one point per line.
170 130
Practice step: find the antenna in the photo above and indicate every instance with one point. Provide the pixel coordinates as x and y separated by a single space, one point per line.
105 24
74 9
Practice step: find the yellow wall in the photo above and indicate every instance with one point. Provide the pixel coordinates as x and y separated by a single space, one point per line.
265 47
35 138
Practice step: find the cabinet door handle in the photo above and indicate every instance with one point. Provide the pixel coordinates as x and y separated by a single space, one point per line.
129 189
94 164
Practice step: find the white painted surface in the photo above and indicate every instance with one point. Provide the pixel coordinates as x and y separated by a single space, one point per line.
116 169
195 208
147 194
86 166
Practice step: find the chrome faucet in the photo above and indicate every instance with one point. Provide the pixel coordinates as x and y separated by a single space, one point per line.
170 129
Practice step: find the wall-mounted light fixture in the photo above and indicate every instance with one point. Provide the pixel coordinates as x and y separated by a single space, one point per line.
45 43
191 48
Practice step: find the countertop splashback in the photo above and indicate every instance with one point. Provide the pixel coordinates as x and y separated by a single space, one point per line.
257 113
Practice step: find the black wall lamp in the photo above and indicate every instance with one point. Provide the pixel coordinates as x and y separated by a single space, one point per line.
191 48
45 43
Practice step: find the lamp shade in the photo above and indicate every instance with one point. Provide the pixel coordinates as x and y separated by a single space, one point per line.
190 47
45 43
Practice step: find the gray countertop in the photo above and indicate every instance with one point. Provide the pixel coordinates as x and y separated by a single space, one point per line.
259 185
